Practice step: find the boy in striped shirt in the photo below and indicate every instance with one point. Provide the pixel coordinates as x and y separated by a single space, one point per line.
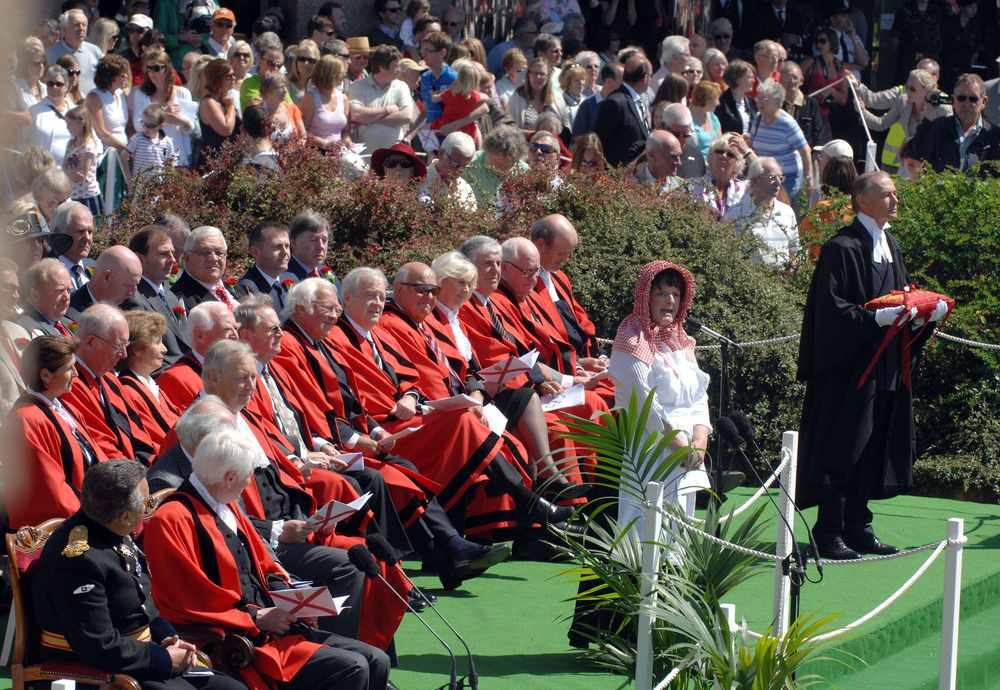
151 149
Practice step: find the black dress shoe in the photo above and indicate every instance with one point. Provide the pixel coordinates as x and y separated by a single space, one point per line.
834 549
416 602
545 512
473 567
563 490
422 595
867 542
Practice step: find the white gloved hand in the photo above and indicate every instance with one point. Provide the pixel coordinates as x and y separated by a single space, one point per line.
940 311
887 315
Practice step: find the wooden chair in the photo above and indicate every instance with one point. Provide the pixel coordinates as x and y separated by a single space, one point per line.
23 549
156 498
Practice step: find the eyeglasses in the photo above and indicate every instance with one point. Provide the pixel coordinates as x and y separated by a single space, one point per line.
223 24
773 178
242 56
210 253
544 148
73 72
423 288
727 153
404 163
153 69
306 60
117 347
723 37
589 164
527 273
274 332
55 84
681 133
967 99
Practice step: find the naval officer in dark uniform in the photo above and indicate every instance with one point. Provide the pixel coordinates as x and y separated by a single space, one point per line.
92 596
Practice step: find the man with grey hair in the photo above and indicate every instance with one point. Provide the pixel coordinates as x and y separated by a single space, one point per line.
936 141
47 290
207 324
114 280
674 52
96 397
663 157
204 258
94 595
857 434
444 181
678 121
74 30
172 465
76 222
201 588
760 213
309 238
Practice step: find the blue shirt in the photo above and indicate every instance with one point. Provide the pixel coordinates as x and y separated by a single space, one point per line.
429 84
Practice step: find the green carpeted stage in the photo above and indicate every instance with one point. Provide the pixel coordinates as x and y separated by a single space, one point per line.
514 616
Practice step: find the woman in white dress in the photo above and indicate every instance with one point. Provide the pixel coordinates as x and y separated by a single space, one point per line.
652 352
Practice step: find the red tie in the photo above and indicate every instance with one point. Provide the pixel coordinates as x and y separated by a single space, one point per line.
314 273
63 331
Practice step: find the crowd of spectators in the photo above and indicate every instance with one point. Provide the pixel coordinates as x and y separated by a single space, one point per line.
761 110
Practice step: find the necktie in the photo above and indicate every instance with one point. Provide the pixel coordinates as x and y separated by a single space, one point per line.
435 350
63 331
279 295
497 326
283 414
223 296
375 353
644 112
314 273
76 272
781 17
118 423
845 49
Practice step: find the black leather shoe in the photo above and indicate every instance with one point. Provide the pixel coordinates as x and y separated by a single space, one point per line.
834 549
571 529
563 490
545 512
421 594
416 602
867 542
489 557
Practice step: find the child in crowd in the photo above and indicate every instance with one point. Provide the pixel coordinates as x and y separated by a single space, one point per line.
82 153
462 101
415 11
151 149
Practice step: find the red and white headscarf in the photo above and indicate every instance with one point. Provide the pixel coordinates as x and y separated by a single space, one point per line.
638 336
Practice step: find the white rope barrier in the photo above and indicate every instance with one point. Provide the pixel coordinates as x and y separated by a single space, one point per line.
757 494
875 611
668 679
965 341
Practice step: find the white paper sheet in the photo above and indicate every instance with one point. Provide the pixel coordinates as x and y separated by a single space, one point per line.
335 511
501 372
571 397
355 461
310 602
496 418
455 402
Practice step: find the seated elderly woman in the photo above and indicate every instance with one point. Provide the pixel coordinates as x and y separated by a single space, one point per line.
653 354
763 215
721 188
44 475
444 181
503 156
398 164
143 359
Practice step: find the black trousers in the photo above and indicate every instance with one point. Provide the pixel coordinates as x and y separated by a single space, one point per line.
342 664
216 681
331 567
845 510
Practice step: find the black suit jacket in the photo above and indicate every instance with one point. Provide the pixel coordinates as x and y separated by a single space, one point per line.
191 292
32 321
729 116
740 17
936 142
763 23
253 282
80 300
620 127
175 337
169 470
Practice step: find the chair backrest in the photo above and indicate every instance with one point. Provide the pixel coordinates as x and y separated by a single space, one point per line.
155 499
23 549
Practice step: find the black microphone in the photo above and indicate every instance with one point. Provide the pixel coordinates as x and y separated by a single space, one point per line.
728 429
692 325
745 428
362 559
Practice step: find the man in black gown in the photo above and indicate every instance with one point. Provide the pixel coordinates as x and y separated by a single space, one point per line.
856 444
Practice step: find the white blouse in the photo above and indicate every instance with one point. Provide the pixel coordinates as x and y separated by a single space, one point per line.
461 340
48 130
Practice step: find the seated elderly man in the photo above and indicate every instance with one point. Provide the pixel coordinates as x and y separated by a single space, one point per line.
278 503
47 289
678 121
75 221
453 448
663 157
761 214
114 280
227 578
92 595
204 262
172 465
207 323
444 183
96 396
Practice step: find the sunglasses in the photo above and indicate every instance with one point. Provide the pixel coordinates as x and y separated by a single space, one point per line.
242 56
423 288
306 60
544 148
73 72
223 24
967 99
727 153
404 163
134 30
155 68
275 64
55 84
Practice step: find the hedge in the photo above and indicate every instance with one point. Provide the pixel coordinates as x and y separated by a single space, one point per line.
947 228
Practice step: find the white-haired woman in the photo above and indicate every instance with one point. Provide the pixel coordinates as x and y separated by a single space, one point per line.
775 133
721 188
912 109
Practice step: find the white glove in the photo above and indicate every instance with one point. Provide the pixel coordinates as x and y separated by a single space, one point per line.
887 315
940 311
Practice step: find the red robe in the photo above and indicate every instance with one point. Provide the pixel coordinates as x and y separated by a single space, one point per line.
452 448
128 440
181 383
190 591
158 415
43 478
486 515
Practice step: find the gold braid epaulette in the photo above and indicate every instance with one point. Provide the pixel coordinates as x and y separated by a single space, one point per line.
77 544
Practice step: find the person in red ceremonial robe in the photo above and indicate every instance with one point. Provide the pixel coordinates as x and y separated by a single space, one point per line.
498 330
96 397
278 504
321 375
556 239
173 463
209 567
144 358
207 323
44 475
453 448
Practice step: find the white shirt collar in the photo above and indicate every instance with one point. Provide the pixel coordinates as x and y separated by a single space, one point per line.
210 288
449 313
224 512
148 382
59 408
271 280
632 92
880 251
481 298
364 332
159 288
546 276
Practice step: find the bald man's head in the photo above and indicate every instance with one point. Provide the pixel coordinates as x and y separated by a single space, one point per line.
521 265
415 289
116 275
664 153
555 238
